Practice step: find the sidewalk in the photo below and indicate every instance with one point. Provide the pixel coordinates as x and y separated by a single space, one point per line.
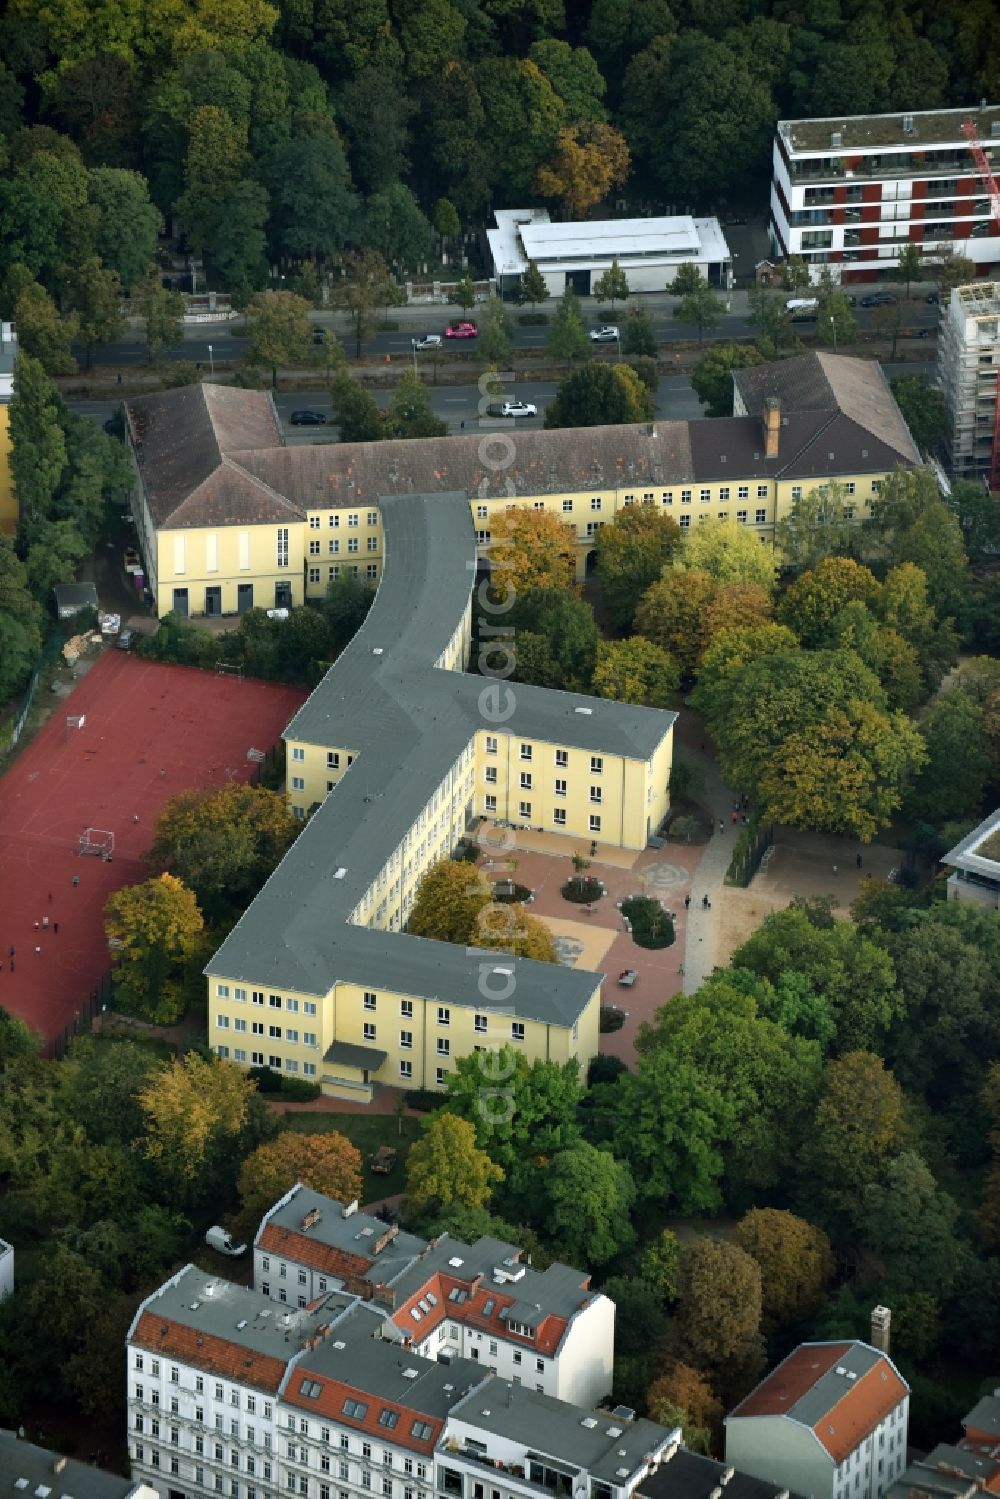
709 878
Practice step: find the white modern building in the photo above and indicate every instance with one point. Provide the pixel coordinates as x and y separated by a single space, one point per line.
847 194
976 865
576 254
829 1422
6 1268
969 376
545 1330
229 1394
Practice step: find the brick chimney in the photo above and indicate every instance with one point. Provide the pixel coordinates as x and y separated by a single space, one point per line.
772 426
881 1318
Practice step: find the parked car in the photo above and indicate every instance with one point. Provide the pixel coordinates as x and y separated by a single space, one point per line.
879 299
384 1160
125 639
426 341
606 335
461 330
518 408
802 309
307 419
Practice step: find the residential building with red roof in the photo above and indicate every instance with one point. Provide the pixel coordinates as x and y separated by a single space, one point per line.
830 1422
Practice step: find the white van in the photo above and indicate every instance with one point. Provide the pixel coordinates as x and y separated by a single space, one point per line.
802 309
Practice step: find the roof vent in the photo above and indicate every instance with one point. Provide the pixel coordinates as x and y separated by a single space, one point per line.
341 872
376 650
587 712
195 1305
241 1324
614 1431
623 1413
59 1464
340 1343
486 1413
841 1369
722 457
43 1491
588 1421
311 1219
352 1207
410 1373
209 1291
448 1387
726 1475
836 139
621 1472
851 1374
455 1262
20 1483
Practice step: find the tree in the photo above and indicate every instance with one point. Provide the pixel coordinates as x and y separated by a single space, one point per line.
712 376
639 337
532 549
635 671
859 1126
102 1088
817 527
910 1223
671 614
600 395
532 287
128 224
38 461
574 75
495 332
700 306
836 324
446 220
326 1163
450 897
409 413
357 414
795 1262
314 206
612 287
194 1107
510 928
924 409
42 333
565 626
162 313
590 1195
446 1169
223 843
154 929
717 1323
814 601
951 269
589 159
238 247
16 1039
909 266
216 160
687 278
977 514
568 337
737 606
363 292
278 327
396 228
795 274
463 293
683 1397
888 321
528 1111
729 553
631 554
958 764
95 295
659 1264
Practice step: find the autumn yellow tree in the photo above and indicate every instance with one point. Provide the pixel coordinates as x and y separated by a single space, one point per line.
729 553
153 929
449 899
327 1163
446 1169
531 549
193 1105
635 671
680 1396
738 606
671 614
590 158
500 927
795 1264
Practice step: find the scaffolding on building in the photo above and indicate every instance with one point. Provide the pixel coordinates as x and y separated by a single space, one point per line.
989 181
969 372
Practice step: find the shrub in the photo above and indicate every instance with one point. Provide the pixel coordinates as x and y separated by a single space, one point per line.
424 1100
266 1079
582 891
509 894
651 926
299 1089
605 1069
611 1019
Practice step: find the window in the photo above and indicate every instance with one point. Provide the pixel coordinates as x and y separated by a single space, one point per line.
491 803
593 526
595 793
444 1015
373 517
540 1365
443 1046
309 1038
560 788
742 516
222 1021
406 1008
314 549
525 751
388 1418
355 1409
685 496
352 519
274 1001
724 494
370 1000
559 816
723 515
491 744
762 491
876 486
352 544
282 546
796 491
223 1052
222 990
743 493
524 809
257 1058
517 1030
760 517
525 780
405 1068
406 1040
482 512
481 1023
595 503
441 1076
595 823
257 1027
334 548
562 759
298 784
596 765
274 1061
704 495
369 1031
422 1432
274 1031
567 505
491 775
685 522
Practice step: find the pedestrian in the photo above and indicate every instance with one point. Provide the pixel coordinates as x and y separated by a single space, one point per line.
38 949
860 861
835 869
687 902
37 925
162 773
736 817
50 897
135 817
55 928
704 903
76 879
722 826
45 921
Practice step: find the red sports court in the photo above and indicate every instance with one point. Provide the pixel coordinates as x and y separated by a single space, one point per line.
148 731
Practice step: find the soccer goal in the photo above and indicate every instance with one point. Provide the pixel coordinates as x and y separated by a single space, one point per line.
74 721
229 669
98 842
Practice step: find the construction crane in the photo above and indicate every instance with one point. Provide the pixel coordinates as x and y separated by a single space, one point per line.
985 169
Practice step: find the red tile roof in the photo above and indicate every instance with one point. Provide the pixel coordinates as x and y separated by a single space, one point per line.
307 1251
205 1351
330 1403
855 1413
548 1333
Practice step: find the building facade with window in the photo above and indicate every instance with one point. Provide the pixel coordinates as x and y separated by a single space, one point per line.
968 373
544 1329
228 519
829 1422
847 194
230 1395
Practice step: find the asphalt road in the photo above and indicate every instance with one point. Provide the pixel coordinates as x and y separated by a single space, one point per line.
675 401
223 342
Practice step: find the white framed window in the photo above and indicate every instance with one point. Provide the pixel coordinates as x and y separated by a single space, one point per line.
596 764
373 517
742 516
314 549
482 512
334 547
334 522
743 493
314 522
760 517
705 496
481 1022
369 1030
525 780
444 1015
685 522
796 491
525 751
222 1021
517 1030
524 809
762 491
490 774
222 990
560 788
559 816
298 783
352 519
491 744
282 546
567 505
491 803
406 1008
595 794
723 494
406 1040
440 1076
309 1068
223 1052
405 1068
370 1000
595 823
849 487
352 543
595 503
562 758
443 1046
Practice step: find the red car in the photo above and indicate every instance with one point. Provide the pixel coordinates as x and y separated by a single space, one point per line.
461 330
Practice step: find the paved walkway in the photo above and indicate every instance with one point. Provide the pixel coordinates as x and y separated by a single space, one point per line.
709 877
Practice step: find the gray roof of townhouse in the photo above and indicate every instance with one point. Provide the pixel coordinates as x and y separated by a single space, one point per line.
689 1475
610 1449
985 1414
407 722
560 1290
354 1234
380 1368
945 1473
966 854
38 1470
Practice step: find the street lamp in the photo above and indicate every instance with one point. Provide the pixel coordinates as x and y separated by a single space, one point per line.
833 324
211 362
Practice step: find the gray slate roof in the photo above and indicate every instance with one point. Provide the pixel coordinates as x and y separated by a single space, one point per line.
407 721
558 1290
985 1414
688 1475
355 1234
73 1480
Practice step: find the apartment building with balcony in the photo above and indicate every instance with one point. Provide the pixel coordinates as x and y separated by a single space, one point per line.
544 1329
968 372
847 194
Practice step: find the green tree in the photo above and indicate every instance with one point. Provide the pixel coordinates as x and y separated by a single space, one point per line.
631 554
700 306
795 274
635 671
42 333
355 410
195 1109
717 1323
639 336
395 226
162 315
446 220
729 553
859 1126
836 324
687 278
566 625
659 1264
153 929
102 1088
495 332
600 395
774 327
446 1169
313 203
671 614
910 1223
795 1262
812 604
224 843
38 462
346 607
568 337
128 224
951 269
590 1196
924 409
612 287
463 293
238 246
909 266
409 413
574 75
532 287
95 295
520 1110
712 376
683 1397
216 160
363 291
976 513
278 327
817 527
958 765
449 898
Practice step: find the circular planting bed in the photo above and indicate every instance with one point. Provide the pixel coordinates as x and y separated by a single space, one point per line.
612 1018
651 926
583 892
509 894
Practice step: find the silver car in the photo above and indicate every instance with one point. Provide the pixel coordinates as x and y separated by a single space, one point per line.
426 341
605 335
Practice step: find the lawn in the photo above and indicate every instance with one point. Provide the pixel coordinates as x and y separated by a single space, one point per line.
367 1132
